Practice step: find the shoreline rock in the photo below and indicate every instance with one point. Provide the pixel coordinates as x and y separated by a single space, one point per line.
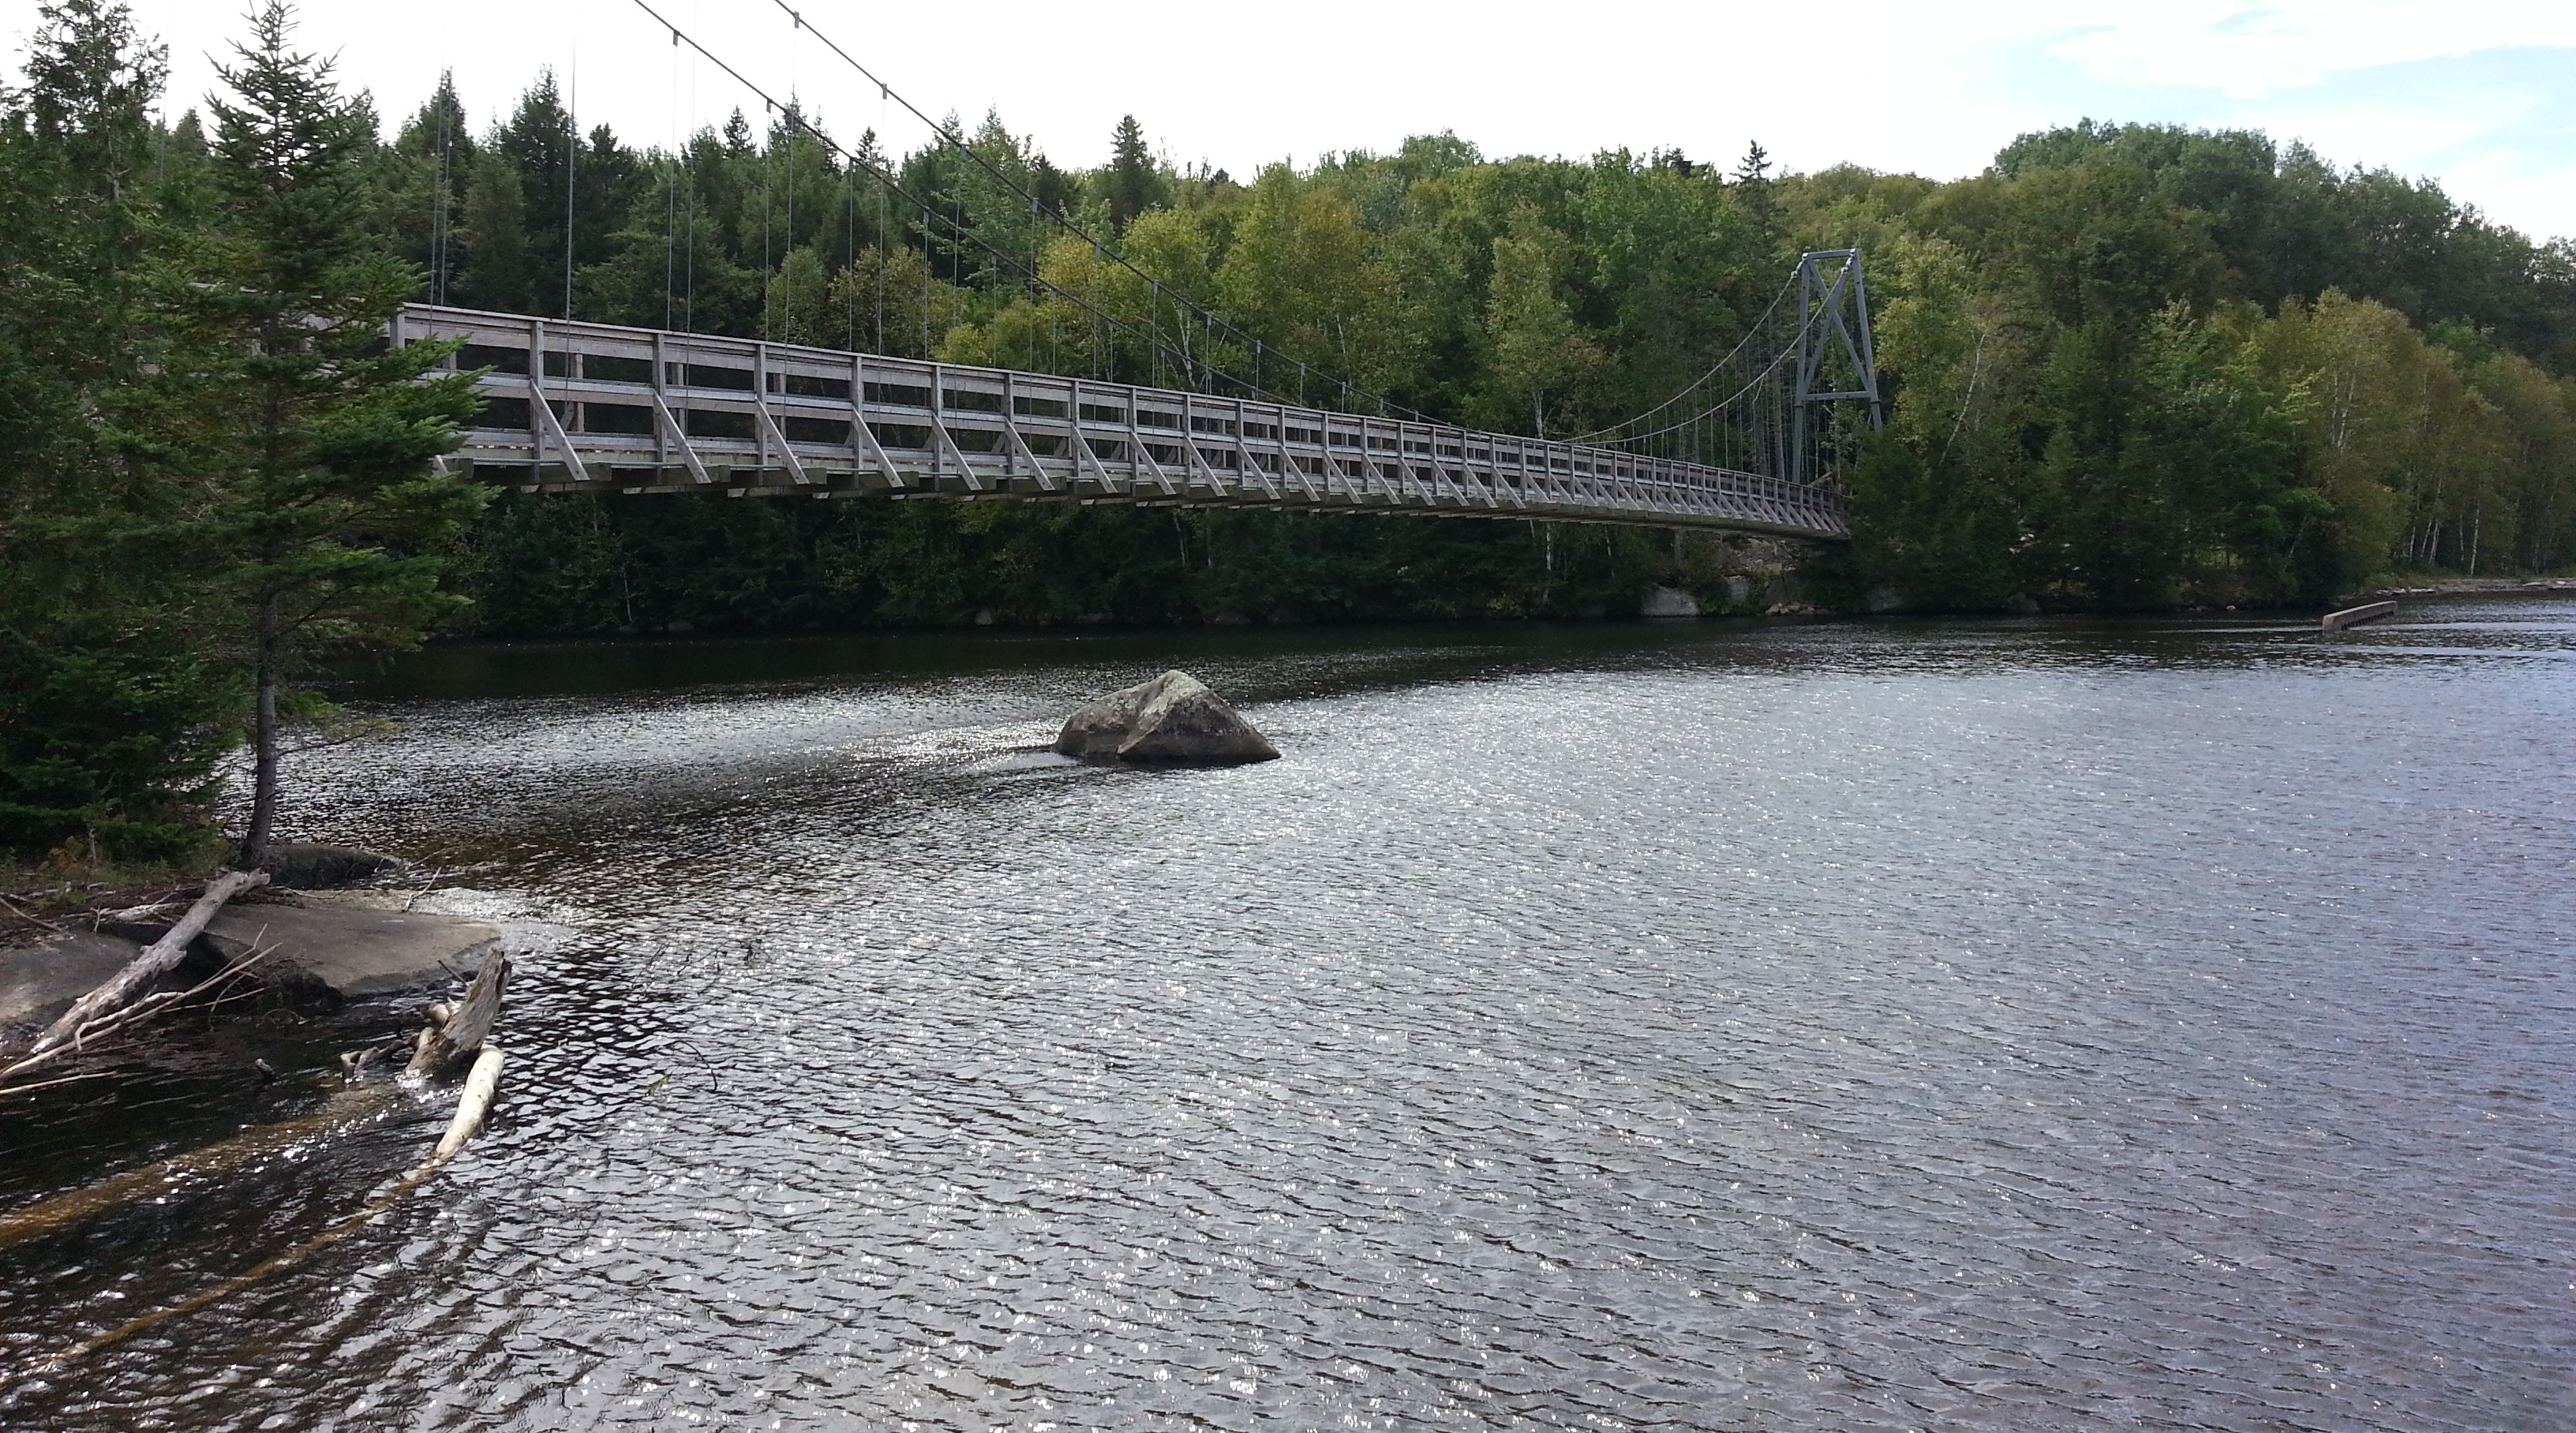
310 865
1663 601
1172 720
329 954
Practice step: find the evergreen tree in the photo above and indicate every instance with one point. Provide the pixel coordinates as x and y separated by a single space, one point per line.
497 272
111 718
319 523
433 158
1753 188
1135 182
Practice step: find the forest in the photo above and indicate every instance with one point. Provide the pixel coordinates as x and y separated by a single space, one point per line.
2131 367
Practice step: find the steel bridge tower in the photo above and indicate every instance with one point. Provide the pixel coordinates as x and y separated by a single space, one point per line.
1837 361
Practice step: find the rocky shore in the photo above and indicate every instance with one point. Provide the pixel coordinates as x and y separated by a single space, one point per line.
317 947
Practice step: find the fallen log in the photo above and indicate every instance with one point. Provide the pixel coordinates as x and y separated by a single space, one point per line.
472 1104
343 1112
455 1032
198 1167
124 1020
2355 616
158 959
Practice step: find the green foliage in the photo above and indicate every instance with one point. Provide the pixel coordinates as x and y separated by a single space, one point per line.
319 522
109 735
1134 182
221 470
2142 365
311 439
2103 391
2129 366
592 564
111 718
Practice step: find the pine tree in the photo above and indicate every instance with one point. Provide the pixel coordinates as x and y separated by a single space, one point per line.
538 150
495 273
111 720
1754 187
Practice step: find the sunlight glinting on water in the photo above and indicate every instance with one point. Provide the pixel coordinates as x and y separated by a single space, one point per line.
1742 1026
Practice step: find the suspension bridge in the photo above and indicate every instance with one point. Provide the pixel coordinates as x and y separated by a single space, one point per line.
573 407
1755 443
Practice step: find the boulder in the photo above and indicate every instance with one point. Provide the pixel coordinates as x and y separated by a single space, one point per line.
306 865
1173 718
334 953
1668 602
40 981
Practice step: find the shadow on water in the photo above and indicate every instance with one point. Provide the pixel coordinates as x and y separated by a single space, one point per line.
1273 663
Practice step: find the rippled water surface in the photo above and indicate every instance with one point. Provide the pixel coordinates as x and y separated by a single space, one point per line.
2017 1025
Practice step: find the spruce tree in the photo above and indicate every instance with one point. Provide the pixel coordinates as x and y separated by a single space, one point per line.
1135 184
433 158
111 718
320 522
1753 186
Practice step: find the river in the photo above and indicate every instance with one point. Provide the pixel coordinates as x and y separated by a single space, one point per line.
2014 1024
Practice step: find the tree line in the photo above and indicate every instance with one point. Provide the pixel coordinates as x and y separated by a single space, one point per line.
2130 367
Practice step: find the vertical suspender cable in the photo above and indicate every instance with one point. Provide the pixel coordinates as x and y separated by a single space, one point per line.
768 182
572 157
689 173
672 162
885 236
850 259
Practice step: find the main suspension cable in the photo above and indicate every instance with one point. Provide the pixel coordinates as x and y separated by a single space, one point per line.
957 228
1208 319
1694 385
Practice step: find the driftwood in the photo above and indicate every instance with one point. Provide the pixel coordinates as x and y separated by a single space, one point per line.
13 908
158 959
342 1112
337 1116
472 1104
123 1020
455 1032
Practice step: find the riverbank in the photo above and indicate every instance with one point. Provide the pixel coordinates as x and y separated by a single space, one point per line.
2474 587
598 565
307 943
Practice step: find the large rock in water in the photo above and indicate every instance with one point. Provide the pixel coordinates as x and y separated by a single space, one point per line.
1171 718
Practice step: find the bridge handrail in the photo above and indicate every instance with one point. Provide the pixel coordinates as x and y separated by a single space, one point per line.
780 388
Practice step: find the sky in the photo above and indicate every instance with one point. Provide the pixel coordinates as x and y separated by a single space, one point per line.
2480 94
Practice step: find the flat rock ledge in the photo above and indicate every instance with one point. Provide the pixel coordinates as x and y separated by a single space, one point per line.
1173 719
330 952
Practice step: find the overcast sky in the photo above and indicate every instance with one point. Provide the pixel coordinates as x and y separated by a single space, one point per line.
2479 93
